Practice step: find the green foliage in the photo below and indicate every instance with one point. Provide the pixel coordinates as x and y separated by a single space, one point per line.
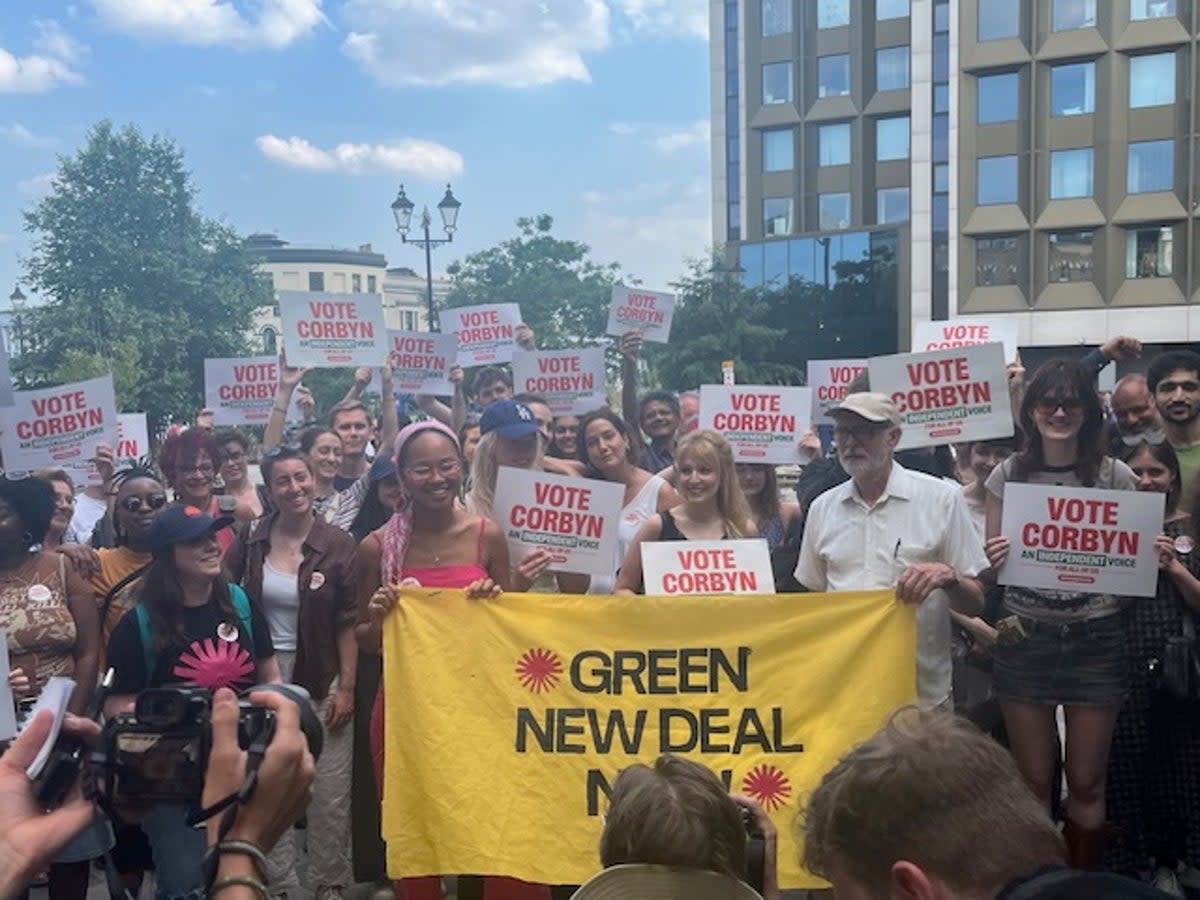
133 279
563 294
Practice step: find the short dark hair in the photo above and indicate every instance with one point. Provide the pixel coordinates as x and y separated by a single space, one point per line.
33 501
1171 361
310 435
658 397
232 436
490 375
278 455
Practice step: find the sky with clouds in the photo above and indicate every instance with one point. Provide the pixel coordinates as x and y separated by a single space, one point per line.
302 117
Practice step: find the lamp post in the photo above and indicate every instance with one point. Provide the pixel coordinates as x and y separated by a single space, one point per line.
17 301
402 209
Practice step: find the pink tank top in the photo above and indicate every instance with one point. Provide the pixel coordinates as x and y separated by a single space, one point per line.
450 576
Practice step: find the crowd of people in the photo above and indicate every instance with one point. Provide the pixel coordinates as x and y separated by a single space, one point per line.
201 568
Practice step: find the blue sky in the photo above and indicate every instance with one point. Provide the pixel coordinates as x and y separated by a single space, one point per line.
303 116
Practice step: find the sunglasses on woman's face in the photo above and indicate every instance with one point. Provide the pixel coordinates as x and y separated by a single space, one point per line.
133 503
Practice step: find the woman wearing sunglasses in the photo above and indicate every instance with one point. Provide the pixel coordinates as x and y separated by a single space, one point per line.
1067 648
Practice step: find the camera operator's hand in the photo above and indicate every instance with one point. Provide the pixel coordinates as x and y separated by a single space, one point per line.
770 844
30 837
285 776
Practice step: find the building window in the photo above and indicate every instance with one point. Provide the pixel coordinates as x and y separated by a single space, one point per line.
316 281
997 260
776 17
1071 256
996 178
735 221
941 138
891 205
891 138
941 18
1151 9
777 216
997 98
1151 167
1073 89
1148 252
1070 173
833 144
998 21
1072 14
777 82
833 13
356 283
891 9
834 211
1151 80
891 68
371 284
941 178
778 150
270 341
833 75
941 98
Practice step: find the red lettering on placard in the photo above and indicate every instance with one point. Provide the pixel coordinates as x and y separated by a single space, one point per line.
1076 509
330 309
59 403
558 364
763 402
562 495
476 319
707 559
933 371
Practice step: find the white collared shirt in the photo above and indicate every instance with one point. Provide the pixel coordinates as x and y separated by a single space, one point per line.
850 546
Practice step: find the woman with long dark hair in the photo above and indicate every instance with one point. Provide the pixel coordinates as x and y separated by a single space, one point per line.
1071 652
1154 769
190 627
772 516
64 506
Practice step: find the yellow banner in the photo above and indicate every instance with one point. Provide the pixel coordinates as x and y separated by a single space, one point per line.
507 721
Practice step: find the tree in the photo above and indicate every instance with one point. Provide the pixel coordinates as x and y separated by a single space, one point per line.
134 280
563 294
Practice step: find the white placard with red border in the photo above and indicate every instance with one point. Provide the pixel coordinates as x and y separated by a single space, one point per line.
572 382
333 330
763 423
707 567
635 309
574 519
58 426
241 391
133 443
969 331
947 396
829 379
1081 539
486 334
421 362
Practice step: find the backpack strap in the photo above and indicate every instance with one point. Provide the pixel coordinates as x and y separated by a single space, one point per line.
241 606
149 657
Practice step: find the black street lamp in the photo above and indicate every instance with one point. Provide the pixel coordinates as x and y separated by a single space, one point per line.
402 209
17 301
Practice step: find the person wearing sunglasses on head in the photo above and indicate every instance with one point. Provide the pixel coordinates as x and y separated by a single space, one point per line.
1060 648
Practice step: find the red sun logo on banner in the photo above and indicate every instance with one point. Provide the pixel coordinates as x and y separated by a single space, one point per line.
539 670
768 785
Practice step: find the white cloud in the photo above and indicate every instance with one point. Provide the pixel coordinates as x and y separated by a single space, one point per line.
37 186
518 43
207 23
666 139
671 17
16 133
411 156
53 62
651 229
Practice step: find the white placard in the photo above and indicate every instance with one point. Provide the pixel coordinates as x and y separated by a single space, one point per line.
333 330
8 709
707 567
6 382
58 426
635 309
947 396
486 334
421 362
969 331
133 442
574 519
242 391
1081 539
763 423
829 379
572 382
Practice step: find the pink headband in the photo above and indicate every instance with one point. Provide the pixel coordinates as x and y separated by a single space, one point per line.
412 430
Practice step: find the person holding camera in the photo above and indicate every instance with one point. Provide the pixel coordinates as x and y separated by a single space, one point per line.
189 626
299 570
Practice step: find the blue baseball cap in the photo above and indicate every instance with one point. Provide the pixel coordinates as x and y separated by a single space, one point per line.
178 524
509 419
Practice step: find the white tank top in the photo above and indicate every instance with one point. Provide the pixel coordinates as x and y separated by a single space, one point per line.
281 606
638 510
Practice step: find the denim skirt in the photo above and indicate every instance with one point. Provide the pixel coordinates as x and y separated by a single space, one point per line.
1068 663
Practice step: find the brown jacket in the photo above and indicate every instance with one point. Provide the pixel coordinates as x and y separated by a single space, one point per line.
328 596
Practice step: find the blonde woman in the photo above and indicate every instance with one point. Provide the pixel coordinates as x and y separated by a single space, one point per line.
713 508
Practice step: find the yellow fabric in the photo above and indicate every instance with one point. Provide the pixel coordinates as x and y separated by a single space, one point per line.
459 796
